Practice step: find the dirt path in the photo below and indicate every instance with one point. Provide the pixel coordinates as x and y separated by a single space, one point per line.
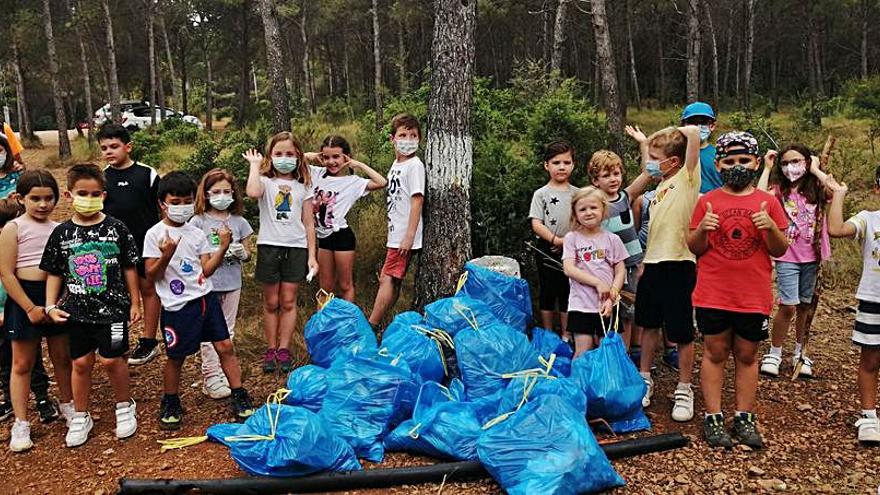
807 425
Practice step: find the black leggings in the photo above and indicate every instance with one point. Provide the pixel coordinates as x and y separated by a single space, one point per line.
39 378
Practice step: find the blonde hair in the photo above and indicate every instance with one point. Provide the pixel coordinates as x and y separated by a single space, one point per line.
301 173
669 141
602 161
214 176
585 193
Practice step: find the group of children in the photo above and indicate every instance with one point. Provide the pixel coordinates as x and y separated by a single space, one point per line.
699 251
175 248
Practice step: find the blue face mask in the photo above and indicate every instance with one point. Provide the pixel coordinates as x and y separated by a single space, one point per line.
284 164
705 132
653 168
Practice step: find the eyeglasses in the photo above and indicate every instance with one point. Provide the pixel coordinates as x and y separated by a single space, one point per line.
793 162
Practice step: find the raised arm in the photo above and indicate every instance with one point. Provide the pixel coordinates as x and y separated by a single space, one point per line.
377 181
692 155
254 187
769 163
837 227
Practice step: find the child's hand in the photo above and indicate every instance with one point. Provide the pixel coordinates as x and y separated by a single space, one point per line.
354 164
237 250
604 291
558 242
225 236
313 157
636 133
690 131
770 158
313 267
836 187
710 221
168 246
405 246
606 308
253 157
762 219
134 314
814 164
58 316
37 315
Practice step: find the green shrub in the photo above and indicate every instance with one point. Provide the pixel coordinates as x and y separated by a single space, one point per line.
760 127
147 145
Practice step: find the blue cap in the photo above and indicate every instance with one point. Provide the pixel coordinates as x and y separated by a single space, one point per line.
698 109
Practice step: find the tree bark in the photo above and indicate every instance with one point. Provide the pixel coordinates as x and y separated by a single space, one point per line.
160 88
308 84
546 43
716 98
401 52
87 80
151 54
749 52
115 111
25 128
168 54
209 95
605 57
184 97
244 65
863 52
377 66
558 37
728 55
449 151
57 97
275 67
632 59
693 51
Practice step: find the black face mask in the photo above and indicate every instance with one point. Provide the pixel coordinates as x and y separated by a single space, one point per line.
737 177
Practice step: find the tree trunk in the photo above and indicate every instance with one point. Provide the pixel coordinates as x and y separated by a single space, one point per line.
615 112
115 111
632 59
449 151
151 54
749 52
25 128
728 54
558 38
275 67
693 51
168 54
184 97
160 88
661 57
308 85
244 66
377 66
863 53
546 35
401 53
774 78
209 95
57 97
87 81
716 98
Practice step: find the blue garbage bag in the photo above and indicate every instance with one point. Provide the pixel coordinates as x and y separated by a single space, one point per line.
453 314
420 346
546 447
302 444
508 297
366 396
547 343
524 389
612 384
338 328
307 385
487 353
441 427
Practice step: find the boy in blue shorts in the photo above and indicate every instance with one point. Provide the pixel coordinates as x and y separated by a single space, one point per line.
179 262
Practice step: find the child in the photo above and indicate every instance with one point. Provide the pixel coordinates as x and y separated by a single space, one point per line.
734 231
864 227
799 186
550 213
406 195
594 262
664 292
218 206
180 262
286 245
701 114
91 260
22 243
131 198
336 191
606 172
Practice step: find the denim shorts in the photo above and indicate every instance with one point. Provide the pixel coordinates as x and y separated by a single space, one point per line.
795 282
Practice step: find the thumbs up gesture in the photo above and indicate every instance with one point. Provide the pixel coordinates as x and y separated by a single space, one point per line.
710 220
762 219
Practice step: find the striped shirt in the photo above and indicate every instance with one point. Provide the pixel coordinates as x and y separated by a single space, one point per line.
620 221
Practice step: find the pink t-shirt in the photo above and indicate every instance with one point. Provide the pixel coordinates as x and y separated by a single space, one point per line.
801 230
32 238
595 254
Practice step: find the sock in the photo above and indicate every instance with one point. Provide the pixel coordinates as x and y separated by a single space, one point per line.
174 398
123 405
776 351
645 374
635 348
669 350
717 415
797 349
683 386
745 414
869 413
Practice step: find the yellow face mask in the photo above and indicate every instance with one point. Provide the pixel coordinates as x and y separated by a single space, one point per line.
87 205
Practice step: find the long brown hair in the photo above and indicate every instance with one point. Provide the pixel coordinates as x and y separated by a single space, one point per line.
301 173
212 177
808 185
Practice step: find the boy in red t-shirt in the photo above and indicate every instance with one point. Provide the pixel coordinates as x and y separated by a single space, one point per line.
734 231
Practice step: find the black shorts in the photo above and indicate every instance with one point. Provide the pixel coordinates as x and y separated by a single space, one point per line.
109 339
587 323
553 285
750 326
663 299
281 264
200 320
341 240
16 322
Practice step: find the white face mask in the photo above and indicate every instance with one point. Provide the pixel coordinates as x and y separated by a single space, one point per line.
406 147
705 132
180 213
220 201
3 158
284 164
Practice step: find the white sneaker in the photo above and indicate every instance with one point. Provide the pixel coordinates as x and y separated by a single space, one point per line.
78 431
67 411
806 368
869 430
770 364
126 419
20 437
216 387
683 409
646 400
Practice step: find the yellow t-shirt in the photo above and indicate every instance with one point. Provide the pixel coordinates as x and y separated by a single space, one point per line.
671 211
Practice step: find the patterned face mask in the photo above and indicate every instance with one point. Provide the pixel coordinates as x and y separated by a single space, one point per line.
737 177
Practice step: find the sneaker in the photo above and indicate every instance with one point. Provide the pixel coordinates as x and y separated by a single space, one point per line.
806 368
683 409
67 410
78 431
745 430
48 410
869 429
284 360
144 351
649 392
20 437
126 419
770 364
216 387
269 364
670 358
5 410
170 413
242 406
714 432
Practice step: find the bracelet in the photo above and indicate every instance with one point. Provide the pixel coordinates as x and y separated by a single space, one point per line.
31 309
48 309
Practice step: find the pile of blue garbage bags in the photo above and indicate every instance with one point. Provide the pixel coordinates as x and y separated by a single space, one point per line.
467 380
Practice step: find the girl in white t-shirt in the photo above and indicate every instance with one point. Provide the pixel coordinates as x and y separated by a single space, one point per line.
286 245
336 191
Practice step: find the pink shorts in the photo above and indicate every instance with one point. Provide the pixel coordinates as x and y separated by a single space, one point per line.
397 264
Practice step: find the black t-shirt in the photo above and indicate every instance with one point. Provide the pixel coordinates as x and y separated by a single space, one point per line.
132 198
91 261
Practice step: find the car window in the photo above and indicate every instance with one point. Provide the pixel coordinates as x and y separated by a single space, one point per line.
141 111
